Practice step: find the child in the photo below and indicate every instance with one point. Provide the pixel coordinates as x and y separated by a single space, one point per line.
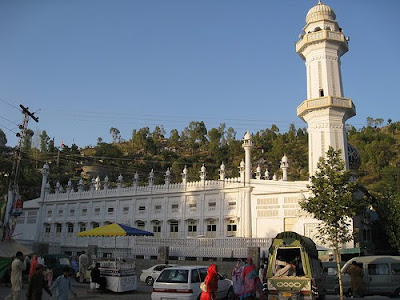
63 284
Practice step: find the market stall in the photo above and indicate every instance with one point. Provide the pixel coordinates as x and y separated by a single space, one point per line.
120 275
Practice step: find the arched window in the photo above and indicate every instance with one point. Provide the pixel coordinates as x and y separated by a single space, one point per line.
156 228
192 228
211 228
70 229
47 230
231 228
317 29
95 225
82 227
58 229
140 225
173 229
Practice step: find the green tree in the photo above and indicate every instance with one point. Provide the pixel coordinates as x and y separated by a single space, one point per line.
214 137
388 209
333 202
3 138
158 137
173 140
195 135
44 141
52 148
108 150
115 134
27 140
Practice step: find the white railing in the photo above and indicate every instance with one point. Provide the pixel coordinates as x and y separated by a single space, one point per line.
148 246
137 190
324 102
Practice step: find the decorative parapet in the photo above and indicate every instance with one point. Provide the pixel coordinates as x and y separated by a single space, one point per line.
134 190
325 102
322 35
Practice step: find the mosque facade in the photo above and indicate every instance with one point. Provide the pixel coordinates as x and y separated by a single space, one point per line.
248 207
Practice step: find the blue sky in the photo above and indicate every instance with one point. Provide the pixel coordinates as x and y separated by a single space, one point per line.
84 66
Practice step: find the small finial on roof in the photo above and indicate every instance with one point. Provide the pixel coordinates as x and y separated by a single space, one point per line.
319 2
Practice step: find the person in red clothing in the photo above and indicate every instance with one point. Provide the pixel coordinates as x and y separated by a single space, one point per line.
211 284
32 268
250 280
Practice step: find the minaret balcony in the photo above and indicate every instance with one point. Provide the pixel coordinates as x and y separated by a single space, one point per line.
327 102
319 36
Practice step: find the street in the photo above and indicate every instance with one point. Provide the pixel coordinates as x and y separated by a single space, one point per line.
142 293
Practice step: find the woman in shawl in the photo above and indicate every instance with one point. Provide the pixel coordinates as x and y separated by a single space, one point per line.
249 280
211 284
237 279
32 268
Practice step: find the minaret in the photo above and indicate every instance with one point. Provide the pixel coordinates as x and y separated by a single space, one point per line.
45 178
325 110
247 145
284 167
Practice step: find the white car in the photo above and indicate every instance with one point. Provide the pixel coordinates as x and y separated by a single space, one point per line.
183 282
149 275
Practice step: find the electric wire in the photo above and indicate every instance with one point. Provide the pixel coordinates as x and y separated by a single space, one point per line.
10 104
12 122
5 127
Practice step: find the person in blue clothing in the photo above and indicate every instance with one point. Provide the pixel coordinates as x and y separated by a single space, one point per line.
75 264
63 285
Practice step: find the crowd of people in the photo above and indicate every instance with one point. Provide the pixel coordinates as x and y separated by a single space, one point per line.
41 279
247 281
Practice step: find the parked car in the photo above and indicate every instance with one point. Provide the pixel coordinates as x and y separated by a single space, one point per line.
183 282
381 275
57 263
149 275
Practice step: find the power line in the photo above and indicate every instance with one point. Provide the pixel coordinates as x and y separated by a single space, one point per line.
5 127
6 102
12 122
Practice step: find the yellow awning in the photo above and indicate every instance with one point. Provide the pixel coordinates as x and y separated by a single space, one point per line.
115 229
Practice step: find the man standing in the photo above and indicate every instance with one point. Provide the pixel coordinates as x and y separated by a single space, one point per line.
37 284
83 264
356 277
18 265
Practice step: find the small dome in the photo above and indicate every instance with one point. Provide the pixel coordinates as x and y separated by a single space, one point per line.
242 164
222 167
247 136
284 159
320 12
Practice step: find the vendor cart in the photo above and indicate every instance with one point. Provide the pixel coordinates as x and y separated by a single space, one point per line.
120 275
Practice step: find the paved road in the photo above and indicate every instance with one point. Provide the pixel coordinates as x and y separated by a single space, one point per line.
142 293
83 292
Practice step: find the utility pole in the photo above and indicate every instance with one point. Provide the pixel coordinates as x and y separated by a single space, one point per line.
14 202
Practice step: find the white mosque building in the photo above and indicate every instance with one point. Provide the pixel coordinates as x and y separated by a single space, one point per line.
209 218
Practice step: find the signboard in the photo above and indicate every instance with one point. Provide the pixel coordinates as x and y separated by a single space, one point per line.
18 206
